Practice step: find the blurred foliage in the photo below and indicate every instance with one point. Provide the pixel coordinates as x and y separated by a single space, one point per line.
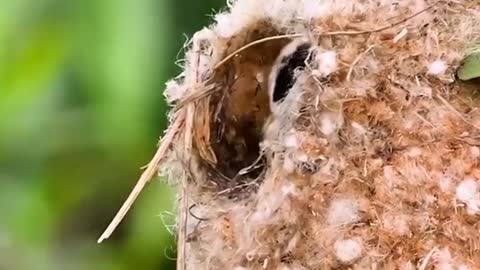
81 109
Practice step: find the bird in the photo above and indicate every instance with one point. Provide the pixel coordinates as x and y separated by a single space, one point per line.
292 58
285 89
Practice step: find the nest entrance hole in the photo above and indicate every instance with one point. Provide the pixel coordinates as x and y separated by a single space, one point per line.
238 112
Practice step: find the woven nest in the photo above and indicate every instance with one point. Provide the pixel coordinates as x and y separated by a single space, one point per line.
328 135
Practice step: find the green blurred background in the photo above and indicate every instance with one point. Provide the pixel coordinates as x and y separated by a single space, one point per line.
81 110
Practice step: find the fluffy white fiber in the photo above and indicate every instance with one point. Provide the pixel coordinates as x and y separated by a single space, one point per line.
468 193
283 14
343 212
437 67
348 250
326 63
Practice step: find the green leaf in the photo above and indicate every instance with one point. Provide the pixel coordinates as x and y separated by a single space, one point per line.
470 69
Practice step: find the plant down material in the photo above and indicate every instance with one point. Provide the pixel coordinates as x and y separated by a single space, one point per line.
370 160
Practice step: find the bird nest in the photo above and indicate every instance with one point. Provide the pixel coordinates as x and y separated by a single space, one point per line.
327 135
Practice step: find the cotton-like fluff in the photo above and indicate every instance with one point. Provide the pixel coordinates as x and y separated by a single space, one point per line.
437 67
468 193
343 212
348 250
326 63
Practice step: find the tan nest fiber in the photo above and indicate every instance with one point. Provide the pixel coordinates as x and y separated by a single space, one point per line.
351 147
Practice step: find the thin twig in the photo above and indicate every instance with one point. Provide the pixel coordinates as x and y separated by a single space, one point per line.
194 215
381 28
224 60
148 174
183 210
205 91
228 190
445 102
427 258
400 35
182 226
350 70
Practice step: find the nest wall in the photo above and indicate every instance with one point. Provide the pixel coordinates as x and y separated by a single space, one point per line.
359 150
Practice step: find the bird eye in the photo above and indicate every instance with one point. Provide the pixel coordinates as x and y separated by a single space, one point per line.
282 77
